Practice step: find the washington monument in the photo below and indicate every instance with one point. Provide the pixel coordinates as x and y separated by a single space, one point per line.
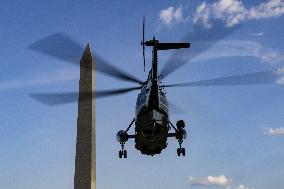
85 161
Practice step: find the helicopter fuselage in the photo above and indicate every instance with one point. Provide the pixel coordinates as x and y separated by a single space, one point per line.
152 119
152 113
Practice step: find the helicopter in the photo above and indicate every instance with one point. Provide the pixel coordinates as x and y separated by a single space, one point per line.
152 122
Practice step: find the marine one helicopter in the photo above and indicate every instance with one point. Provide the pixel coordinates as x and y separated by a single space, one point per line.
152 122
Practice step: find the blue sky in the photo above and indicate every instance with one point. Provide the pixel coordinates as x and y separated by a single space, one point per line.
236 134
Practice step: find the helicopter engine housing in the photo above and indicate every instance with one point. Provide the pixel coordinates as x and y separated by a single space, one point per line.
122 136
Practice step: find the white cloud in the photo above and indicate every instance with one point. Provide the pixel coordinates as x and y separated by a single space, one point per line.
280 81
271 8
271 56
241 186
230 10
211 181
202 15
257 34
39 79
243 48
280 71
221 181
171 15
274 131
233 12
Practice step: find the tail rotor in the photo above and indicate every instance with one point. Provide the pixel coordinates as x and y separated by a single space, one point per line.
143 42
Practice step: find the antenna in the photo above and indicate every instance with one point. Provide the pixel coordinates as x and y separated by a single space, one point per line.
143 42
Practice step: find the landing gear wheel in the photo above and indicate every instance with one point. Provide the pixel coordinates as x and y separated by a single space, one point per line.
178 151
120 154
183 151
125 154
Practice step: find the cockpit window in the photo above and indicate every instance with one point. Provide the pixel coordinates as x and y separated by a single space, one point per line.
141 100
163 99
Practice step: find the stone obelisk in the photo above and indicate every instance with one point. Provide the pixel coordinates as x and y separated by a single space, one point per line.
85 161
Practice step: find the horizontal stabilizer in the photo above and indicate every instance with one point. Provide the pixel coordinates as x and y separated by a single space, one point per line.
167 46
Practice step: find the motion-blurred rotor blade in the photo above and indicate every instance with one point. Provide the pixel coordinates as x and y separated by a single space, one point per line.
63 47
265 77
108 69
143 43
143 33
201 38
144 61
113 92
60 46
53 99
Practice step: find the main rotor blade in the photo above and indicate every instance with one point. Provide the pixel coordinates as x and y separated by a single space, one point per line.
265 77
143 33
63 47
143 43
108 69
201 39
53 99
60 46
113 92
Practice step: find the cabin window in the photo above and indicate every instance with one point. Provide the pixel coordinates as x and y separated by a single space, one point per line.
141 100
